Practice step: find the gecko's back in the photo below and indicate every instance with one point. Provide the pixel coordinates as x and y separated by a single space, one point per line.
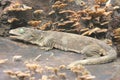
73 41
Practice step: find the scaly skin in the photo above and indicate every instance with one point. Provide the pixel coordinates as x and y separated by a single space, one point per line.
101 52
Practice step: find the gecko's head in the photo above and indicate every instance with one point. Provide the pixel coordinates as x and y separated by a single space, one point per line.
26 34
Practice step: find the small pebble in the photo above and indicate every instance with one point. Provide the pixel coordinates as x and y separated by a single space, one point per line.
17 58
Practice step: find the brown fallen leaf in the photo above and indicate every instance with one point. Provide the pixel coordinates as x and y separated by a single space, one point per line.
34 23
90 31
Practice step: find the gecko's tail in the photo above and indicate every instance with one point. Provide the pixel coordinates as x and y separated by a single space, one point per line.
111 56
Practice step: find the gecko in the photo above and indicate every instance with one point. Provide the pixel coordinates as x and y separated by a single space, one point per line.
98 52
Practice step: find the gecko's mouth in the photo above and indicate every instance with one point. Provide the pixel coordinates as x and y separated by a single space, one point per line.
15 37
14 34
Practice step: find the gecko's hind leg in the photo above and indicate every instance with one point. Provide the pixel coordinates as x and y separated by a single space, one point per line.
93 51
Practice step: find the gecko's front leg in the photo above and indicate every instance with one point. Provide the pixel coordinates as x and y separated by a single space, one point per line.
47 44
46 48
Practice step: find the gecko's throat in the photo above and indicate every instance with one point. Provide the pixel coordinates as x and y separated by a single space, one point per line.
15 34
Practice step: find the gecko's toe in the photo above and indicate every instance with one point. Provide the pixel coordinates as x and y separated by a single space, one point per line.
70 66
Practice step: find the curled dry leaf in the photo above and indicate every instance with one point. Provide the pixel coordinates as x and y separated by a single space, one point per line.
82 73
32 66
51 12
62 67
10 73
91 31
11 20
100 1
17 74
116 33
46 25
34 23
62 76
58 5
65 23
2 61
18 7
38 12
44 77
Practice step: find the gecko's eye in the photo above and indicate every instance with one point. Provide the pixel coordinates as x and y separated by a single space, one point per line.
21 31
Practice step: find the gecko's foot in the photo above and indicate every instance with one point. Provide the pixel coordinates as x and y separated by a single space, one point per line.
72 65
46 48
76 63
69 66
